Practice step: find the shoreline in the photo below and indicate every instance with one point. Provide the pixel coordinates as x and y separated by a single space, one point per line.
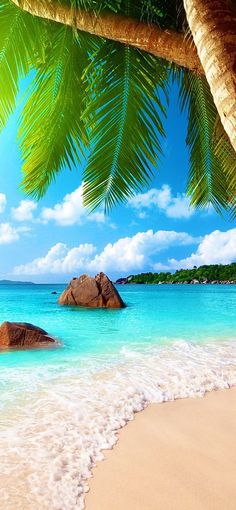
173 456
218 282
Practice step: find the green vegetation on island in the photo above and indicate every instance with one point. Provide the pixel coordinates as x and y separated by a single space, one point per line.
214 273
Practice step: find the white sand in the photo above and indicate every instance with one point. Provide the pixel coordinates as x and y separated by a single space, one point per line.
179 455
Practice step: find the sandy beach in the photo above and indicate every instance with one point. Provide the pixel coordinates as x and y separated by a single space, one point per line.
178 455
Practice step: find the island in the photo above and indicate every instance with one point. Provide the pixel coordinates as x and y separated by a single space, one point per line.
207 274
15 282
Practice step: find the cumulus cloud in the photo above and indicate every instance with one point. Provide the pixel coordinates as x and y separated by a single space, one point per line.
3 202
10 234
24 211
126 254
136 252
71 211
162 199
59 259
215 248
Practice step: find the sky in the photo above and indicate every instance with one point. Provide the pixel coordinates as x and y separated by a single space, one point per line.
55 239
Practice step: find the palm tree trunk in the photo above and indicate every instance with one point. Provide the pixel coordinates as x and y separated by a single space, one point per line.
167 44
213 26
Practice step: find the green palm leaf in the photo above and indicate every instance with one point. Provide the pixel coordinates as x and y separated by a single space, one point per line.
52 134
226 157
21 46
88 91
97 5
123 116
162 12
207 182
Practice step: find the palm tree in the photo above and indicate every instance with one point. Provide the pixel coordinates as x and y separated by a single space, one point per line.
101 75
213 26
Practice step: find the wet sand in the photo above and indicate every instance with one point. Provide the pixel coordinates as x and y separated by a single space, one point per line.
178 455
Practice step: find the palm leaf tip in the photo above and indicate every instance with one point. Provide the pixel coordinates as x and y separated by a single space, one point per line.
212 164
52 134
125 116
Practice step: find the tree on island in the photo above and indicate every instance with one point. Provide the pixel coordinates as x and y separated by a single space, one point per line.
102 71
207 273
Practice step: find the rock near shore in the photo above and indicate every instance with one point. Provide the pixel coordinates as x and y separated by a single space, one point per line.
23 335
98 292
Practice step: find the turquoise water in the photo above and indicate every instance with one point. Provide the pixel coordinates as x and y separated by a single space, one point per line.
61 407
154 314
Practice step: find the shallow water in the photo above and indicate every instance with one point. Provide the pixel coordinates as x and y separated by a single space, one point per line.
61 407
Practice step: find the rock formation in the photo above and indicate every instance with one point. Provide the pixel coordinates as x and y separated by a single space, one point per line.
23 335
98 292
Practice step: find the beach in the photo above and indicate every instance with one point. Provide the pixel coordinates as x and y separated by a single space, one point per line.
117 255
62 409
177 455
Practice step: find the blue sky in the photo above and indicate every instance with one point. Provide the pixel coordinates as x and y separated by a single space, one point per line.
55 239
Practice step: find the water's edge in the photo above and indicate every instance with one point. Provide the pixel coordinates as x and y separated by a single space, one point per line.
61 425
61 408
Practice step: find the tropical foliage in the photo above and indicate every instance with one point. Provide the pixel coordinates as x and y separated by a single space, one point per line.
107 101
213 272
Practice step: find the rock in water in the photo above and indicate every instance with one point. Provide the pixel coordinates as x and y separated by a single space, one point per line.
98 292
22 335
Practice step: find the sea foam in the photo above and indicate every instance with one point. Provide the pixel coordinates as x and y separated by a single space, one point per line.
56 420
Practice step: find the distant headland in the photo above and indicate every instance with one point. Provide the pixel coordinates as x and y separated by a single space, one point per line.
207 274
15 282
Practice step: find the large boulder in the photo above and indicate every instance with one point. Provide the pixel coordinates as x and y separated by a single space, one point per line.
23 335
98 292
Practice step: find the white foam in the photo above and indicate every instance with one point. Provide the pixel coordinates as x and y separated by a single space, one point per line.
60 419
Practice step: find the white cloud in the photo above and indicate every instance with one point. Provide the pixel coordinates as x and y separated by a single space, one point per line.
153 197
163 200
130 254
136 252
3 202
24 212
142 215
179 207
71 211
126 254
215 248
10 234
59 259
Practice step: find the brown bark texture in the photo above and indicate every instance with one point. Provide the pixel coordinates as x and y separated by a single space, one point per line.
213 26
167 44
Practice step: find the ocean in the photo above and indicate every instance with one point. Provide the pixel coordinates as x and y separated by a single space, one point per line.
61 407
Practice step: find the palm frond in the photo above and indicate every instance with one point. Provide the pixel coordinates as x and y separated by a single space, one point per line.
21 45
123 116
51 133
97 5
163 13
207 183
226 156
88 91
